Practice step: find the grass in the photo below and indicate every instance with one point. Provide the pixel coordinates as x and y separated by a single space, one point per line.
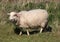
7 29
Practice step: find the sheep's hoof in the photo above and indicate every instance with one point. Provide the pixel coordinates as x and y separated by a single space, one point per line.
20 33
28 33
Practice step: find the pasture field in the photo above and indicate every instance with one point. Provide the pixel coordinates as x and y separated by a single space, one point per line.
7 33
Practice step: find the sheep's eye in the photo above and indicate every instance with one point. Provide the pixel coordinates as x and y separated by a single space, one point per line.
15 15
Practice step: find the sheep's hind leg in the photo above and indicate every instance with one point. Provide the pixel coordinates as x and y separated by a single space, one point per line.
42 26
20 33
41 30
28 33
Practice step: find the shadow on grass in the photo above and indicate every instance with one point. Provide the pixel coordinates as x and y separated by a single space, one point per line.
48 29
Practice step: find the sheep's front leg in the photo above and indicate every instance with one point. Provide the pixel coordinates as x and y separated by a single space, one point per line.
28 33
20 33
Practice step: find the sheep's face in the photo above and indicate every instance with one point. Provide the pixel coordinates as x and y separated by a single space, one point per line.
13 16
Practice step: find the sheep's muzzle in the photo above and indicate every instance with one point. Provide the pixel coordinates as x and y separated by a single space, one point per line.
13 21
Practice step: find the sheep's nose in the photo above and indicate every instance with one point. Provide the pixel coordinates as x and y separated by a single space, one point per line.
12 20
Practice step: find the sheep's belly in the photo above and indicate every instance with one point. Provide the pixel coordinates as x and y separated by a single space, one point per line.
31 29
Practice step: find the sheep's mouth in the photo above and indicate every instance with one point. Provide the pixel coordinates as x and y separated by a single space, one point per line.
13 21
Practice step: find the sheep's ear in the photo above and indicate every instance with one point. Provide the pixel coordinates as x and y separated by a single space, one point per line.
8 13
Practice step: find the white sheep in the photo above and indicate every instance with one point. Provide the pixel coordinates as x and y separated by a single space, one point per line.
31 18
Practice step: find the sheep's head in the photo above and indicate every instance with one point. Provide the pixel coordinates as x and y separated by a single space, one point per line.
13 16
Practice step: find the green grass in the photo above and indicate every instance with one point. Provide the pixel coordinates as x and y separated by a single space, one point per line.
7 29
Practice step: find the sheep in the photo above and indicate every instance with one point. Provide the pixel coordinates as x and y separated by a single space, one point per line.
29 19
